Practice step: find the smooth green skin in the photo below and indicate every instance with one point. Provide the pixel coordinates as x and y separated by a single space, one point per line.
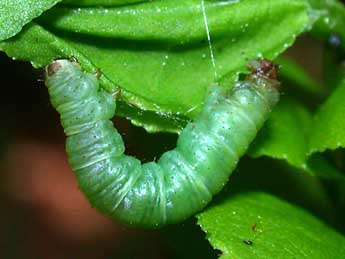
282 231
157 73
14 14
183 180
329 123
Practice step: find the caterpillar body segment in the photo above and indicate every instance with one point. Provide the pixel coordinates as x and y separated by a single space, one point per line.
183 180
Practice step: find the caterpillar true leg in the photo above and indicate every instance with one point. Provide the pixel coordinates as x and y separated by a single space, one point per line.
184 179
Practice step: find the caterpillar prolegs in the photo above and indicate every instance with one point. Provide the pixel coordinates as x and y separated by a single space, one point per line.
183 180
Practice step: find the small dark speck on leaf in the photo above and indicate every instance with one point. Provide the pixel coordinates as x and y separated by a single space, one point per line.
254 227
98 74
248 242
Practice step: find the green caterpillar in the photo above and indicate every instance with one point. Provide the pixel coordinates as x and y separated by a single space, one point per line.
183 180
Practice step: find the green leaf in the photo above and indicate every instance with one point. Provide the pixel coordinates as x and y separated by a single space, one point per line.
328 126
14 14
284 135
276 229
183 20
39 46
330 18
32 44
293 73
168 74
319 166
100 2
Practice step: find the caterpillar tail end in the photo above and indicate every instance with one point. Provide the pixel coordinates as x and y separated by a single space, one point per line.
52 68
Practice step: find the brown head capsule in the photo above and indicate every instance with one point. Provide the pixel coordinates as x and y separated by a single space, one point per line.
53 68
266 70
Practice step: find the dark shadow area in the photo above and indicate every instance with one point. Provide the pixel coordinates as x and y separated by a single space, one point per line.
144 146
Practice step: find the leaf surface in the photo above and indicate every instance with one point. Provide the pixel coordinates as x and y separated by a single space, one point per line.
157 54
328 127
14 14
284 135
100 2
259 225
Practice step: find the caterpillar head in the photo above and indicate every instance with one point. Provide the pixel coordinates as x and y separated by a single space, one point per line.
266 71
264 68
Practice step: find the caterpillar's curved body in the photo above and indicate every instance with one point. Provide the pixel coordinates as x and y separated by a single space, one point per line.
184 179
